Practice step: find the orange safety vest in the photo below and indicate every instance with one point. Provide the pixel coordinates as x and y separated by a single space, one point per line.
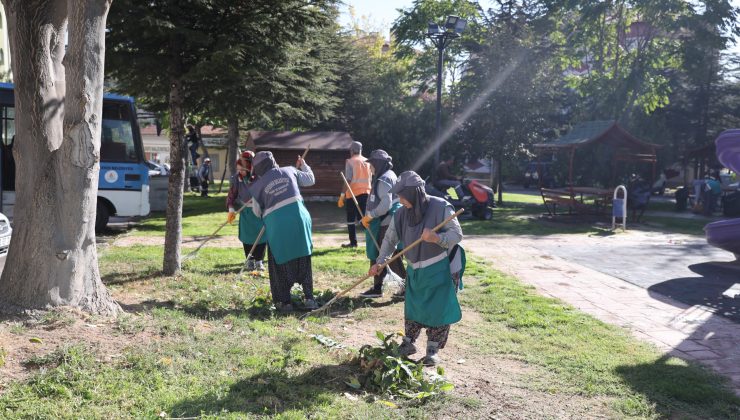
361 176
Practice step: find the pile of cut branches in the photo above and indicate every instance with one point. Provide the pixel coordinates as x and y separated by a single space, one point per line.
385 371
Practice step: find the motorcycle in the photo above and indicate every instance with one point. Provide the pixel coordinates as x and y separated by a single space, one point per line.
476 198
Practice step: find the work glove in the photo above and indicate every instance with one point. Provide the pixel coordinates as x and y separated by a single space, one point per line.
340 203
366 221
230 218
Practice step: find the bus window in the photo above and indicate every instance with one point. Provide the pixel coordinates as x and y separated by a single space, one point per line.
117 142
8 124
7 137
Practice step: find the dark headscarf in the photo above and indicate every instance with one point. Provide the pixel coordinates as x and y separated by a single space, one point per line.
263 162
410 186
381 161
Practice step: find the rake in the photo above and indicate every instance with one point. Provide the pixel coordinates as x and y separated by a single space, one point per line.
384 265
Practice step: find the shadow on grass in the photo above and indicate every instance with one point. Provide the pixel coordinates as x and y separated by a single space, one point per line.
127 277
146 306
668 381
270 393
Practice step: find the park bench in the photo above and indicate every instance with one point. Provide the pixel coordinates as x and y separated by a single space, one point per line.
563 198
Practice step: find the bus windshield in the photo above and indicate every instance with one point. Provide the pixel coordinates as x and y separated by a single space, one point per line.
117 140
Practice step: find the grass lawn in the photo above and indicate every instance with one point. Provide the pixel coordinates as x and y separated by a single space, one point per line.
205 344
202 216
521 214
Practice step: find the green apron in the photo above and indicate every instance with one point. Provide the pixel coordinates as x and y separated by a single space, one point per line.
288 231
431 298
371 250
249 227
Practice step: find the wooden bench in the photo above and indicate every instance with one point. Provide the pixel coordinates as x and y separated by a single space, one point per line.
563 198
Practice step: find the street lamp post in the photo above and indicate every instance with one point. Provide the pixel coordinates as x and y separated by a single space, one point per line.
441 37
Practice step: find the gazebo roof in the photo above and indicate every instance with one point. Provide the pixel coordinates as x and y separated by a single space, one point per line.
605 132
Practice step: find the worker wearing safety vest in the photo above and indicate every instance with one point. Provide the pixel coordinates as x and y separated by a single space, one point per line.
358 172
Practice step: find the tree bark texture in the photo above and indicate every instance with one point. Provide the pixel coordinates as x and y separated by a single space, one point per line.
58 98
173 226
233 138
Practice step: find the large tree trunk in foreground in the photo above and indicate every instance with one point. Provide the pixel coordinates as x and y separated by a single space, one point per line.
173 226
233 139
53 256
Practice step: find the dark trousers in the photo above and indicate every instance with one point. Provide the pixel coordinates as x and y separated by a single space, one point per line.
353 215
204 188
397 265
284 276
259 251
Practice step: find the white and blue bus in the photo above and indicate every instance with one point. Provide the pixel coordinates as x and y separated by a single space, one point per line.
123 187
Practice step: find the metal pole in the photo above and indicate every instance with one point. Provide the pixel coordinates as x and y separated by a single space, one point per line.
438 130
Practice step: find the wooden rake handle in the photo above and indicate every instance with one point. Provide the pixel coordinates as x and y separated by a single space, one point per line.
382 266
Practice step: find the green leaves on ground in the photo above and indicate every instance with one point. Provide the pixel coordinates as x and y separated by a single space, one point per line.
384 370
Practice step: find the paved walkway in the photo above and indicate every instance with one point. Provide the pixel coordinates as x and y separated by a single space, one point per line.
692 331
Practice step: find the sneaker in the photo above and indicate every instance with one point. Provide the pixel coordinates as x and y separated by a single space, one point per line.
349 245
432 357
407 348
259 266
310 304
250 265
284 307
371 293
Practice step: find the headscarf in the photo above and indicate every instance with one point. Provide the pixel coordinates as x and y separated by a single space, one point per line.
410 186
355 148
263 162
381 162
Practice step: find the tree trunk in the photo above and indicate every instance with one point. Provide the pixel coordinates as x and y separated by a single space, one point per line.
173 225
53 256
233 138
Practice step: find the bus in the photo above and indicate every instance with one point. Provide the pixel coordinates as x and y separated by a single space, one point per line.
123 185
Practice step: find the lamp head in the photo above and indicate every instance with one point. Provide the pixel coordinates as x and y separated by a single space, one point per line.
433 29
460 25
451 22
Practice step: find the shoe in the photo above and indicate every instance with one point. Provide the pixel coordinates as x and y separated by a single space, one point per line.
250 265
407 348
310 304
371 293
400 294
259 266
284 307
432 357
349 245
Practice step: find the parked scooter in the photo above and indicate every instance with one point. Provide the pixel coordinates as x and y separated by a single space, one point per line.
476 198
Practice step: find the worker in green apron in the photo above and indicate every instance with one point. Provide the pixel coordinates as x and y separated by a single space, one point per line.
278 202
434 267
381 206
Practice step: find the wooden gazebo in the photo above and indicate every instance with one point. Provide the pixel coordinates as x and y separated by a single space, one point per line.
329 150
623 146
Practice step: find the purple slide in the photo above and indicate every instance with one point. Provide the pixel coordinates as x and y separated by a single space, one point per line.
725 234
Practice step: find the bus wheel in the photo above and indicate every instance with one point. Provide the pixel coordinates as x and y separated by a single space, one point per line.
101 217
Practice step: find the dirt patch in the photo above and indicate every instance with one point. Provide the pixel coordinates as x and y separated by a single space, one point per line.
26 337
500 385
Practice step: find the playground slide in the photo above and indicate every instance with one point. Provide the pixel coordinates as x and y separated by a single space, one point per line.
725 234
